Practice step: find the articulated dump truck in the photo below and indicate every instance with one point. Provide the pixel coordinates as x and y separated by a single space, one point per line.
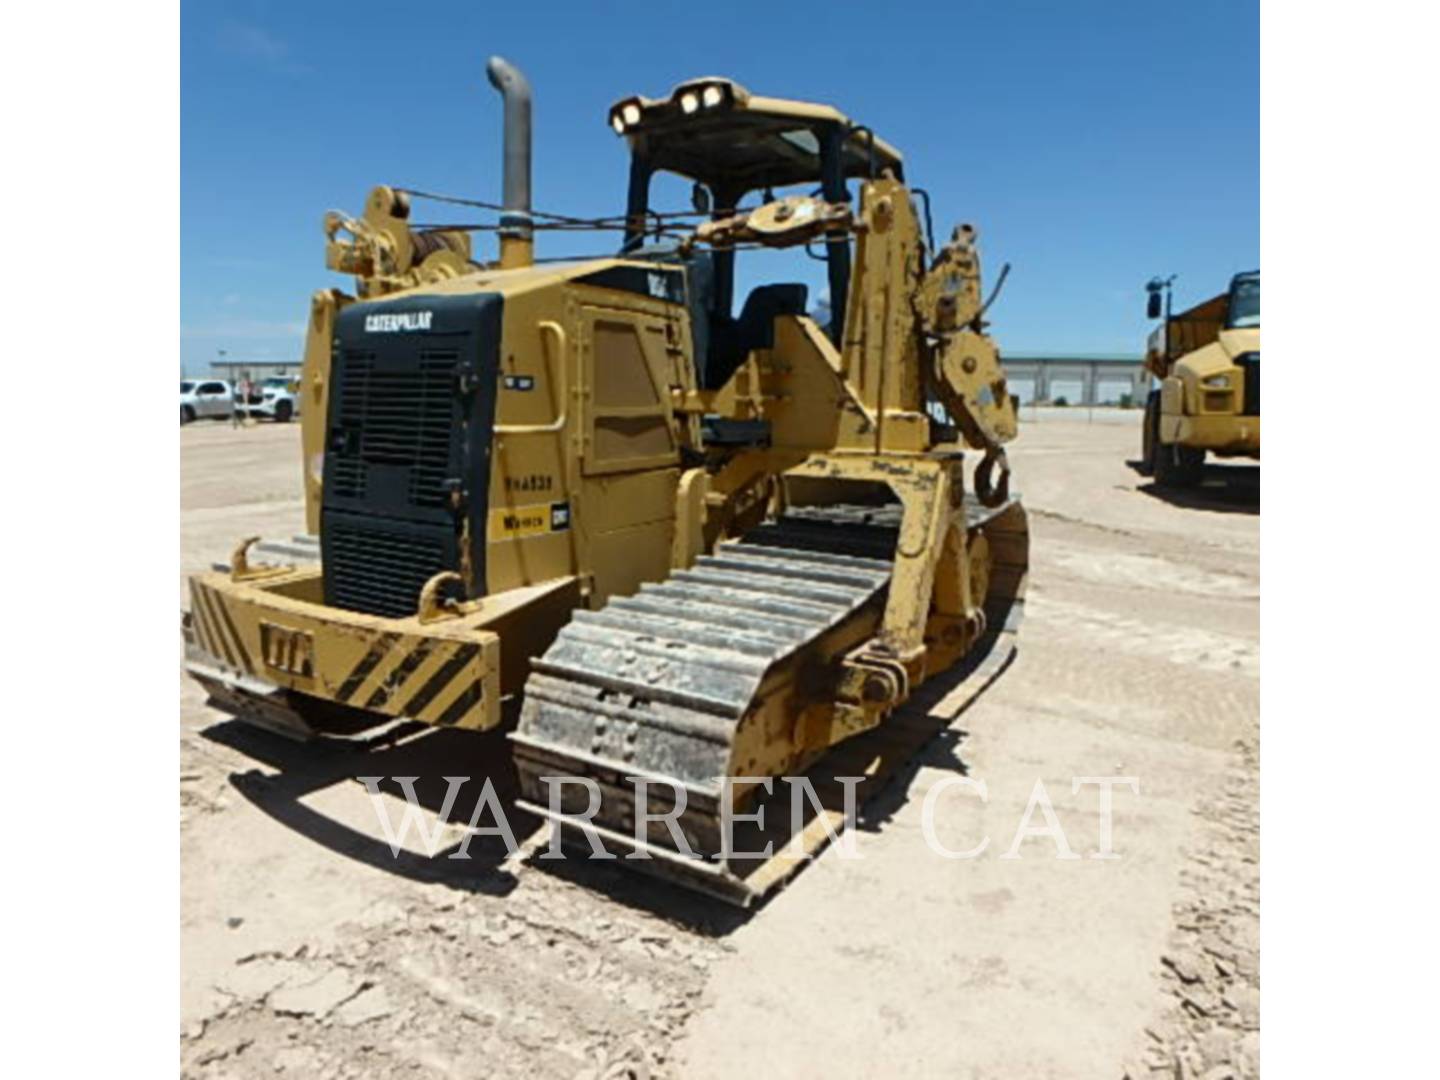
1207 360
681 550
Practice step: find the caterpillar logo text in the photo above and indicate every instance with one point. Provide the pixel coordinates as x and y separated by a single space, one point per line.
390 324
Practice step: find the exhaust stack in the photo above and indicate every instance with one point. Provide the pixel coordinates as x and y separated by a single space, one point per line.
517 242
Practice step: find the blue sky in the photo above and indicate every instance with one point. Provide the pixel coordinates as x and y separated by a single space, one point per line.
1094 144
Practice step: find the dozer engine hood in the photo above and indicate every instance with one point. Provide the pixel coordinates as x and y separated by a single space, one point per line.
414 391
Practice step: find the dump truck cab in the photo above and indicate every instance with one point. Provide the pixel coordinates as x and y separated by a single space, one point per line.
1207 363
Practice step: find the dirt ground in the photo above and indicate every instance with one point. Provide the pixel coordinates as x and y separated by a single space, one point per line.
307 949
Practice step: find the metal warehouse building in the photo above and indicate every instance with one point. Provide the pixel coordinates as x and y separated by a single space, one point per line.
1080 378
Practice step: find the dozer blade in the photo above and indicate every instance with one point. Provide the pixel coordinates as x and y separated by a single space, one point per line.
656 687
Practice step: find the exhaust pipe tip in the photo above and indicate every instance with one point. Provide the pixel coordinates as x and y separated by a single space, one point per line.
505 75
516 232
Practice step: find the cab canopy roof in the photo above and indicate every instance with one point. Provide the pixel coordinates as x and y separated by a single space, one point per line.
715 131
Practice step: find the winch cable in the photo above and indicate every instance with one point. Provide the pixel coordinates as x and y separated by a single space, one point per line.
659 223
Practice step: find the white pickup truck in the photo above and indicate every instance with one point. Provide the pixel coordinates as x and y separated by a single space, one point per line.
275 398
205 398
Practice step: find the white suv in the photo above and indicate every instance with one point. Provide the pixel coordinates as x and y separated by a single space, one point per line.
200 398
276 398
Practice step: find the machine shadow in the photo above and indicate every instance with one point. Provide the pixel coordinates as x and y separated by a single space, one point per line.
940 751
427 754
1228 489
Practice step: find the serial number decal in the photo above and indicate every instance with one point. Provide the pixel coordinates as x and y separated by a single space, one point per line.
518 522
530 482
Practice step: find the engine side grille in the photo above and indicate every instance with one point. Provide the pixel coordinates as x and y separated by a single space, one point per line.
379 570
1249 365
401 418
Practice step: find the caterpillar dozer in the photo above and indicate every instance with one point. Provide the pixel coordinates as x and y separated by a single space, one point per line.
699 549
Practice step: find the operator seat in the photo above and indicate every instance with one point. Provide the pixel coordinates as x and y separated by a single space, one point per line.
720 343
732 340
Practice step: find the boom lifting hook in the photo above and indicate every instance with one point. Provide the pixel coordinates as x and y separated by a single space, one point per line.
987 491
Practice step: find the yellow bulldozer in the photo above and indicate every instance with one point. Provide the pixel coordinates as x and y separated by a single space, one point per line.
666 540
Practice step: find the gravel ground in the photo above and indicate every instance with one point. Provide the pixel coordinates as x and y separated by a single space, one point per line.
1209 1025
308 949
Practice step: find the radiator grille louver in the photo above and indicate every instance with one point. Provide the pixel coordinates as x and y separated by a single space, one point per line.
399 418
377 570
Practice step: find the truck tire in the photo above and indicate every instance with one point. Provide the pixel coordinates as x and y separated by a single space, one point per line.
1150 433
1178 466
187 415
283 411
